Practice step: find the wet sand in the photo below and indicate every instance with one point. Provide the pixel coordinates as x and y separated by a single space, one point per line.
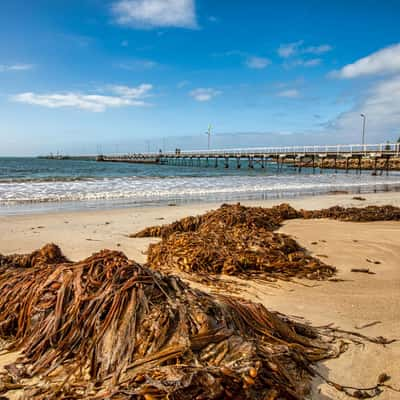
358 300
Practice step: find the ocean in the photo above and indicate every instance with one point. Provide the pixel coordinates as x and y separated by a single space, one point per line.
30 185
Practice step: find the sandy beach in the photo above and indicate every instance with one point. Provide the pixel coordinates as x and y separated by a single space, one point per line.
351 303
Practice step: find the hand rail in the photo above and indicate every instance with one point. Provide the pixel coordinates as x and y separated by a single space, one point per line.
314 149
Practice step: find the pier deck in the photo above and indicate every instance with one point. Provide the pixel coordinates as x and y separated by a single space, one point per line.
339 156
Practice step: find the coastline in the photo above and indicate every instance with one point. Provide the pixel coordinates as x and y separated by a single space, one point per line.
356 301
81 232
256 197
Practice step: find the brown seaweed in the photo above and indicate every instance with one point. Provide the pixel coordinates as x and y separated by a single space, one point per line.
107 327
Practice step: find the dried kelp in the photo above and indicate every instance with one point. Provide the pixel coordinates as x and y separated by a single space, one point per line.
226 216
234 240
107 327
238 240
356 214
49 254
237 251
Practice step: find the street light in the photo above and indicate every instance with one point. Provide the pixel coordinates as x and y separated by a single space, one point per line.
363 128
209 135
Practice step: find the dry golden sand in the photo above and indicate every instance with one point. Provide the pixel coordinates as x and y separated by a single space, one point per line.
358 300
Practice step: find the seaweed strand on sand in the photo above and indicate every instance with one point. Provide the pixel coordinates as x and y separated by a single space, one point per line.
109 327
238 240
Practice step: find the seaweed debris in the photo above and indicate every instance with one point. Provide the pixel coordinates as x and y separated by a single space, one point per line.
234 240
107 327
356 214
238 240
48 254
226 216
238 251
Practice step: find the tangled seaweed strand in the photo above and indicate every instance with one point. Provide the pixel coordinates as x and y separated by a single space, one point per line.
49 254
239 251
356 214
110 328
227 216
238 240
234 240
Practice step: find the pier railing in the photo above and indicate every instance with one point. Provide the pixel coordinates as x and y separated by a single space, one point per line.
339 149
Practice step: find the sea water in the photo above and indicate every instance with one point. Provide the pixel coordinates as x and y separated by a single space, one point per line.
31 184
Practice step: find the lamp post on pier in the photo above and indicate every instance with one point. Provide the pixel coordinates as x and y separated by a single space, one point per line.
363 128
208 133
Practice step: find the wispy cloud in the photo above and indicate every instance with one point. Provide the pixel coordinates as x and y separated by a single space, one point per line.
182 84
289 93
15 67
299 62
121 96
77 40
127 92
257 62
381 105
289 49
249 60
384 61
155 13
138 64
204 94
321 49
293 49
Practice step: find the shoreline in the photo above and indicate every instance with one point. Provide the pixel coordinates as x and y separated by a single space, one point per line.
65 206
82 232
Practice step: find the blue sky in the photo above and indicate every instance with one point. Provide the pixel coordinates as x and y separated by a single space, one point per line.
134 74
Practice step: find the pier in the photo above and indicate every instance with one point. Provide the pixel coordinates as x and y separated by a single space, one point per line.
378 157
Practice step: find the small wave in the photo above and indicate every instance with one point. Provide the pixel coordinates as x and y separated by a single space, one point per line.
156 189
48 179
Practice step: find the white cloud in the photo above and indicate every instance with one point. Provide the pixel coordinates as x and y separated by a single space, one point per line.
204 94
182 84
290 93
384 61
15 67
138 92
123 96
381 105
323 48
257 62
138 65
155 13
313 62
291 49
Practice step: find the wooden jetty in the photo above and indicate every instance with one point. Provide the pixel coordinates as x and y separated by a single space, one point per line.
339 156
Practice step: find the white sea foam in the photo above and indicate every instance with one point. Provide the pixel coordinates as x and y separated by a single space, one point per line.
152 189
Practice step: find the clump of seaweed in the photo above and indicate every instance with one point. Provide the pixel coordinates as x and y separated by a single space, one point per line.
238 240
107 327
235 240
226 216
356 214
49 254
238 251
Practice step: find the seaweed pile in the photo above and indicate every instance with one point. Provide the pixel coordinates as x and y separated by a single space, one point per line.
240 241
49 254
238 251
235 240
107 327
226 216
356 214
